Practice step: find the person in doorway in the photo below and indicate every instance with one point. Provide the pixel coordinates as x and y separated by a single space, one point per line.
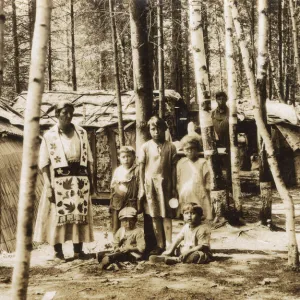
157 161
124 185
65 210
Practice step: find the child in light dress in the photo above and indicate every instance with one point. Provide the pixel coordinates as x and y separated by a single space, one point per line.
193 179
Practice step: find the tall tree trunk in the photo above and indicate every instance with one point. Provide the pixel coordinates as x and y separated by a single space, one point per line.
253 34
31 142
176 47
274 77
265 176
2 21
232 97
218 192
295 41
205 24
74 77
270 81
50 61
31 15
279 27
124 69
160 48
16 48
293 255
187 59
141 72
117 75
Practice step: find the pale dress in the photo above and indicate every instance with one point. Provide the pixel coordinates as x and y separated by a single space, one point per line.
46 229
193 184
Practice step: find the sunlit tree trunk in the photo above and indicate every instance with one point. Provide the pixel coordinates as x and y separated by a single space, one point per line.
160 50
117 75
293 255
30 155
295 40
2 21
74 76
16 48
124 69
232 99
218 193
141 71
187 59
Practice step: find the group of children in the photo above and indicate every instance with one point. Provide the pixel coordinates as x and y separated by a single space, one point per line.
148 187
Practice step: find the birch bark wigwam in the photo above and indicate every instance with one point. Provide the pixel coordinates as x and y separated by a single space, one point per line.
141 70
218 192
30 155
265 176
117 73
232 99
293 255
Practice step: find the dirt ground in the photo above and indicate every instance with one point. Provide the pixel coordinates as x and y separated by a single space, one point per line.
249 263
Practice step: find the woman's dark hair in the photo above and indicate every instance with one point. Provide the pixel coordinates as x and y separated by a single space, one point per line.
61 105
157 122
193 207
222 95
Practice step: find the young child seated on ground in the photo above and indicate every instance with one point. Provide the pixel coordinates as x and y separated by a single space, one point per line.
192 244
129 241
124 185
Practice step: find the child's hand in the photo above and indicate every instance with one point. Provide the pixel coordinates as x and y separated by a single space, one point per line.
184 256
125 249
50 194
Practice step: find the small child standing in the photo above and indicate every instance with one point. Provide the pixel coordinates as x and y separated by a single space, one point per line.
124 185
129 241
193 178
158 183
192 244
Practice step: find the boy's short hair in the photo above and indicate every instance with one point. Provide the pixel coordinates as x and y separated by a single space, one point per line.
159 122
127 149
191 140
127 212
61 105
221 95
193 207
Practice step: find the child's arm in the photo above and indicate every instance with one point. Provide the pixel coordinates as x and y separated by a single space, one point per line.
142 195
175 244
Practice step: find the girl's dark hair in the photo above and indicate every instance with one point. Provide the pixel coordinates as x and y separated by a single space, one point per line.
157 122
190 140
193 207
61 105
221 95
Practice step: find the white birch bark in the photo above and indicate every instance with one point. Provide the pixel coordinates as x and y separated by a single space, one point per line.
30 145
232 99
293 257
295 40
218 193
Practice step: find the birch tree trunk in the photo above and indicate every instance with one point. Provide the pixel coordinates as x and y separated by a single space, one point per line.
74 77
187 59
232 99
160 50
141 72
2 21
265 176
16 48
117 74
124 69
295 40
293 256
218 192
30 155
50 61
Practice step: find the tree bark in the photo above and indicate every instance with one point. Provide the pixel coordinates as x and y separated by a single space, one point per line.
280 76
293 255
232 99
50 61
160 48
31 14
74 77
187 60
30 155
124 69
218 192
16 48
141 71
265 176
2 21
117 75
295 41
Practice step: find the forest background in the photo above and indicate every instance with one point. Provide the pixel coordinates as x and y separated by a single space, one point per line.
80 50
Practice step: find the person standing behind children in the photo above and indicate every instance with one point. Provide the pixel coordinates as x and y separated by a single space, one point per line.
158 183
193 178
124 185
192 244
129 241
